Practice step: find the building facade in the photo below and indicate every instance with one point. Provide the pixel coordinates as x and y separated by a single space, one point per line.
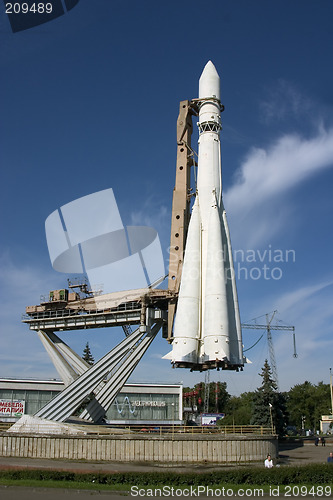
136 404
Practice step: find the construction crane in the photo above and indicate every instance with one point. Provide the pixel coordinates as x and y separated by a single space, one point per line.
207 387
269 327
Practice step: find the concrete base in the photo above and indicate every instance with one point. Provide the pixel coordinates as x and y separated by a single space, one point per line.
142 448
29 424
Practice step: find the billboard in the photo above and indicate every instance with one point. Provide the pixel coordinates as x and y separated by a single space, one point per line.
211 418
12 407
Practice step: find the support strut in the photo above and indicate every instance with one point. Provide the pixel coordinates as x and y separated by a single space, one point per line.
120 361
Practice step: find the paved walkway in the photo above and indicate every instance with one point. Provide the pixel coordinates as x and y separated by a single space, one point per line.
294 454
104 467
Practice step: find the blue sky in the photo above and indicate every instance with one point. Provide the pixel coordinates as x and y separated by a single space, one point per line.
90 101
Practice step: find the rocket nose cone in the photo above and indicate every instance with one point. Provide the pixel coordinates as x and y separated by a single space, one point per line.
210 69
209 83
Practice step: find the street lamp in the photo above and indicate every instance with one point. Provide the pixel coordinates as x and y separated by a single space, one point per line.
173 420
270 411
331 390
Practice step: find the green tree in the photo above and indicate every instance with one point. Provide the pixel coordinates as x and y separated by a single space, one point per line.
238 410
218 397
87 356
306 403
269 406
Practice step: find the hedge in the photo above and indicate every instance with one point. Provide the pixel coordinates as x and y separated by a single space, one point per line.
314 474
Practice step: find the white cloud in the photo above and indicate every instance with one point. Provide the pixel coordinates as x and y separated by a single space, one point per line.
22 353
151 214
284 100
156 215
290 300
267 175
22 283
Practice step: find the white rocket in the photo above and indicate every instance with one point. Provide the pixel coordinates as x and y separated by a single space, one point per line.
207 329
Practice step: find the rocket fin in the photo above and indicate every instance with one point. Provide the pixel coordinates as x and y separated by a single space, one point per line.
236 344
186 332
216 321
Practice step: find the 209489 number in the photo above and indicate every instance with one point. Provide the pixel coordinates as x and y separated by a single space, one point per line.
24 8
302 491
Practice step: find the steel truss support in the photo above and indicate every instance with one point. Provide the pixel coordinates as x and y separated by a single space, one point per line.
118 365
79 365
64 368
103 399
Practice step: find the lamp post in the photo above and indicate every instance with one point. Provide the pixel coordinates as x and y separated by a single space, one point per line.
270 411
331 390
173 420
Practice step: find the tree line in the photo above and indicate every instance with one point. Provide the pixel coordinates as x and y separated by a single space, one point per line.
300 408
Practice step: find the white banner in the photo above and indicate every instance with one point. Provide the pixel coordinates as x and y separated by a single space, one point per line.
11 407
211 418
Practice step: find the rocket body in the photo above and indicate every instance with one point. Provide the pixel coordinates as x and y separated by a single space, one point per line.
207 328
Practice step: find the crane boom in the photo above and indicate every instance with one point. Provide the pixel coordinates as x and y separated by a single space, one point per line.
269 327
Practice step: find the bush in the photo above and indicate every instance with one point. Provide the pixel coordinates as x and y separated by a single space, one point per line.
316 474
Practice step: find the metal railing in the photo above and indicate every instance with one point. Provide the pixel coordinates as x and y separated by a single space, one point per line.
205 429
65 313
163 430
4 426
